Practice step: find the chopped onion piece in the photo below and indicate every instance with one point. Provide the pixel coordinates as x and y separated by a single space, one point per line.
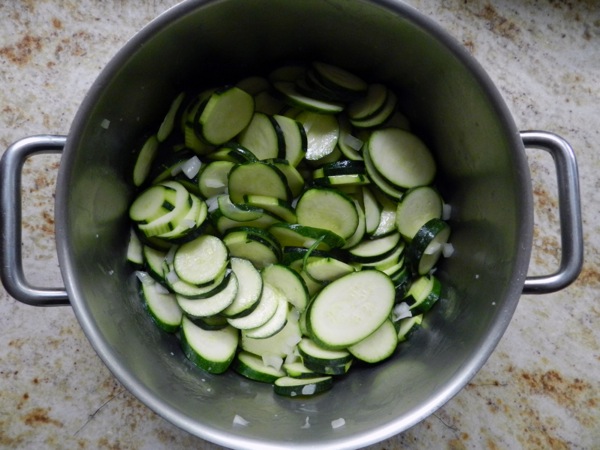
160 288
239 420
191 167
353 142
212 203
105 124
172 277
144 277
309 389
170 254
401 311
306 424
189 223
273 361
447 250
337 423
214 183
446 211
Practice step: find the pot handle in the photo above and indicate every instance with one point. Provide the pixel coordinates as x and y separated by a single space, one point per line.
11 271
569 204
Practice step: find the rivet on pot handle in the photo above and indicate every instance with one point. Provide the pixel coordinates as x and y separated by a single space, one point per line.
12 274
569 203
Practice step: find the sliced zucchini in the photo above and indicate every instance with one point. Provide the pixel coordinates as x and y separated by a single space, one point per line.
263 137
258 178
162 306
294 137
350 308
240 212
401 158
201 261
327 269
211 350
377 346
370 250
427 245
302 387
290 284
297 369
322 134
144 160
212 305
280 344
328 209
275 323
417 207
168 123
294 97
249 289
212 180
250 245
135 253
296 235
253 367
423 293
227 112
406 327
266 308
276 206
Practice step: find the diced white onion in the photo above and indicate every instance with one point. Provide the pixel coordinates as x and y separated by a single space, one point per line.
191 167
212 203
291 357
160 288
239 420
214 183
353 142
446 211
105 124
309 389
306 424
170 254
273 361
172 277
447 250
144 277
337 423
401 311
188 223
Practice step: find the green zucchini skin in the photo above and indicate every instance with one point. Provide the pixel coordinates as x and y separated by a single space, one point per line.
287 227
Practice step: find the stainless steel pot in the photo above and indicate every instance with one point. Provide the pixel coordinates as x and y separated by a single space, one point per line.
483 173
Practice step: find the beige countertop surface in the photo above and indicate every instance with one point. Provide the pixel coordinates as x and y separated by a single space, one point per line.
541 387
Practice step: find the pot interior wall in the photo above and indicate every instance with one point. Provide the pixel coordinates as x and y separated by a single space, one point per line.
452 106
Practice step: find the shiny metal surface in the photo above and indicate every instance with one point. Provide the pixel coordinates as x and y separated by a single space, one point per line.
13 276
453 105
571 232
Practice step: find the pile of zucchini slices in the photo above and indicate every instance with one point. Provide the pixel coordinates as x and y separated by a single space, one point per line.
287 226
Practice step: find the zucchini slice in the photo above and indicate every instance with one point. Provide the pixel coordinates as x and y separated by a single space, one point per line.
253 367
427 246
258 178
328 209
211 350
302 387
350 308
401 158
227 112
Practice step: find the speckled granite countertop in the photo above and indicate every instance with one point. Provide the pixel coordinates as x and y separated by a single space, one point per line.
541 387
